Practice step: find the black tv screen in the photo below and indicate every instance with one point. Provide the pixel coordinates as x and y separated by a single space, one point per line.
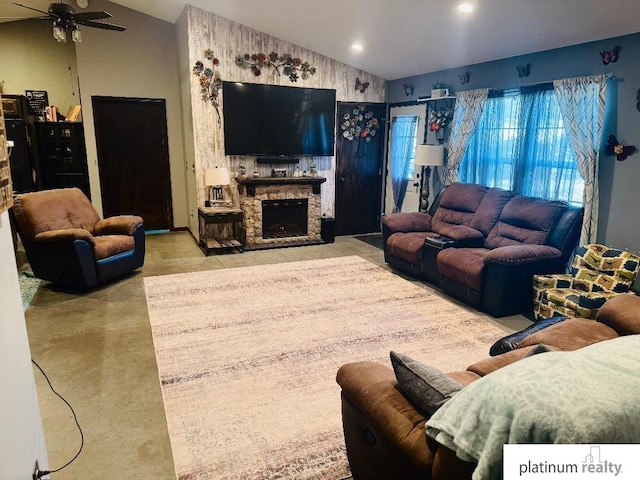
271 120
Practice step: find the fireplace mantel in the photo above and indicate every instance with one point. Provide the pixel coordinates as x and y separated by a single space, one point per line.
252 182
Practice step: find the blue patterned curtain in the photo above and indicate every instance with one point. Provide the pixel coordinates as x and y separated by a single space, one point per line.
466 116
582 103
403 145
521 145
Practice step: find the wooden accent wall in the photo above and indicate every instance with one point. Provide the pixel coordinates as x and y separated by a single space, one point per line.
228 39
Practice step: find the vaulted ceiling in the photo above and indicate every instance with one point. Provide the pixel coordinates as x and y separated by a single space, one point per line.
402 38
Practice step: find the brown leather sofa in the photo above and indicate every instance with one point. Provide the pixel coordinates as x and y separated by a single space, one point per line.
68 244
483 245
385 434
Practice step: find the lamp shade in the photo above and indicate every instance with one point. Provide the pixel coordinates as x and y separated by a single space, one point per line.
430 155
216 176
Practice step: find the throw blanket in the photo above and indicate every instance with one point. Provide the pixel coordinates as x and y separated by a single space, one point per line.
585 396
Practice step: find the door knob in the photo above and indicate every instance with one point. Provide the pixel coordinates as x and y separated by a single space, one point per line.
342 179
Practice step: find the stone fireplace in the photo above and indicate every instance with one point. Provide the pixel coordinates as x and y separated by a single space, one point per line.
280 211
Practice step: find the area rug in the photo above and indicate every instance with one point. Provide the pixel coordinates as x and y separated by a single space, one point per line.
373 239
28 288
247 358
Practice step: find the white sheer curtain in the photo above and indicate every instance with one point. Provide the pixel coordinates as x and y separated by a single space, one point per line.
582 103
466 116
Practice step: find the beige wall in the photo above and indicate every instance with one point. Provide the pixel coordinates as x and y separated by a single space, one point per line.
182 34
139 62
33 60
228 39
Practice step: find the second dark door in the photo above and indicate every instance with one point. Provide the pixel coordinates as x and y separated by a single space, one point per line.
359 149
133 158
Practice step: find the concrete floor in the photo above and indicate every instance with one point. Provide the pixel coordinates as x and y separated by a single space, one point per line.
98 352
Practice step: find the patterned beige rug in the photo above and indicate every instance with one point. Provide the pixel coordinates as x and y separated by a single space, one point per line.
247 359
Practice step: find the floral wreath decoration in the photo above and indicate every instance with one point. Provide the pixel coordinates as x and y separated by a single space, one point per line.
210 80
438 119
292 67
359 124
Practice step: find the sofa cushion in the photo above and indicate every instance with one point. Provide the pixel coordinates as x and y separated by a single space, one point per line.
524 220
425 386
490 209
109 245
463 265
54 210
408 246
457 206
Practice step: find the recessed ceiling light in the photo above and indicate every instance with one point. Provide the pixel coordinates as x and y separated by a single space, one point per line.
465 7
357 47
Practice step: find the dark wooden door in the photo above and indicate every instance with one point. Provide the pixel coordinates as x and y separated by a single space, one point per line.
133 157
359 151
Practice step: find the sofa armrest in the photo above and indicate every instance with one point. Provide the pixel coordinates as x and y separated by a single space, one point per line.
622 313
407 222
570 334
372 388
511 342
118 225
522 254
66 235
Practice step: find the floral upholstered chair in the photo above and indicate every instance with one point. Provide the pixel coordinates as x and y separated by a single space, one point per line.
598 273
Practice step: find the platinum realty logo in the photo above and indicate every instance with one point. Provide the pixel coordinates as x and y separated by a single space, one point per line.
592 462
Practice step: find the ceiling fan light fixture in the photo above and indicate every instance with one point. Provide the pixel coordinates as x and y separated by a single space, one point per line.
59 33
76 34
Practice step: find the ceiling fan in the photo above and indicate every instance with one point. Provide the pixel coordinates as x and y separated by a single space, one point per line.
64 17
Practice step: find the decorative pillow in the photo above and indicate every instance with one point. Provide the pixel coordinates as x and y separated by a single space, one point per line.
425 386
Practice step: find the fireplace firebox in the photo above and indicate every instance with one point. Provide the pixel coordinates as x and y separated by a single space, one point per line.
285 218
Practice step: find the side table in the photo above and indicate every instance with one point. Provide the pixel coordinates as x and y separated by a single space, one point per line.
227 233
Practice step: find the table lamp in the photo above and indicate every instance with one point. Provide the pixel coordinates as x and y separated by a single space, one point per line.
216 178
427 156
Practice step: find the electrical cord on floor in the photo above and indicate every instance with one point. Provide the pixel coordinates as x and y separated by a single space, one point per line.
47 472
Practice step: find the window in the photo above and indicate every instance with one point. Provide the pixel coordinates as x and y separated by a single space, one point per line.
520 144
404 131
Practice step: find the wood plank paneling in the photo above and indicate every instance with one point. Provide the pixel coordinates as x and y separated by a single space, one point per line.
228 39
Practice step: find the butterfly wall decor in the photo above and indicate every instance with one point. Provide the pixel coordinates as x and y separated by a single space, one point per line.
524 70
611 56
408 89
464 78
361 86
621 151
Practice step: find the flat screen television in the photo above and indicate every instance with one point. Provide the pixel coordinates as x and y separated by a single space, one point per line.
277 121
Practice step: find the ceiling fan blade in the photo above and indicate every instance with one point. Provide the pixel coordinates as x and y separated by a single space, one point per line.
84 16
102 25
34 9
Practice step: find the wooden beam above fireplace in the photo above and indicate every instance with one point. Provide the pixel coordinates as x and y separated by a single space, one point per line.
252 182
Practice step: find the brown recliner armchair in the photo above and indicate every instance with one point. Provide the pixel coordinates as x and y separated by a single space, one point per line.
68 244
385 432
